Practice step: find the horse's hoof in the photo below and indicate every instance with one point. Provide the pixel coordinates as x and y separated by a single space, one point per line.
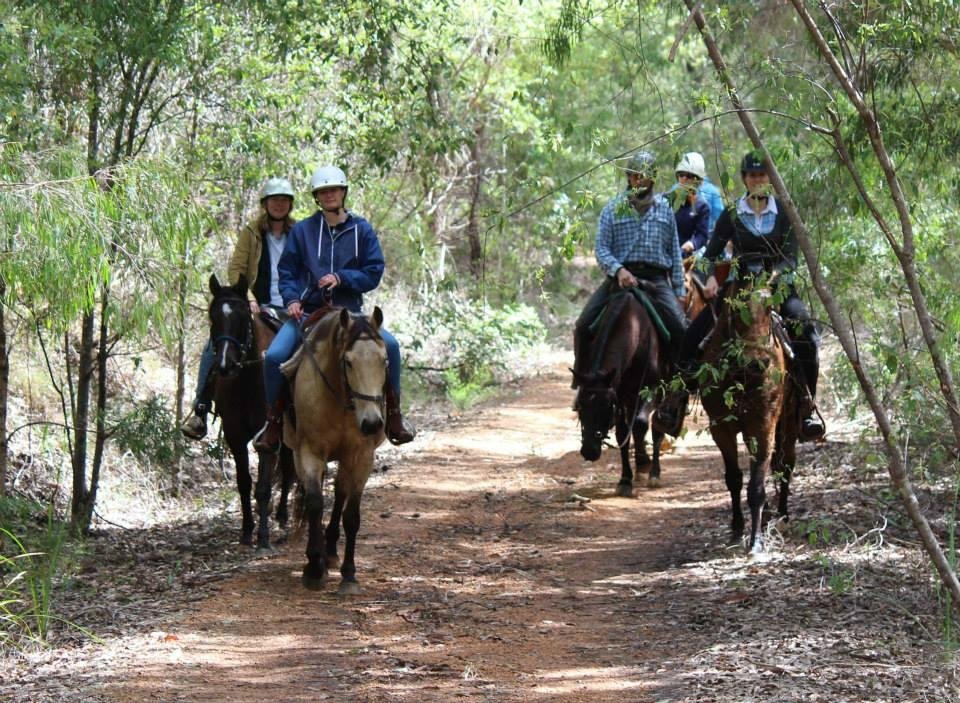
653 482
332 561
264 549
314 584
349 588
624 491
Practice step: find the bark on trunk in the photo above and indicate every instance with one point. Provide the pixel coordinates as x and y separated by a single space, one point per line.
4 389
896 466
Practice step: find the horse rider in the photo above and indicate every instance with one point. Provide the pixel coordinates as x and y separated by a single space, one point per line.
763 243
256 254
636 240
691 209
331 258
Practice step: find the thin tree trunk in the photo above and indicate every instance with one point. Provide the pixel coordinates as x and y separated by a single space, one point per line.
81 416
473 225
4 388
896 466
100 422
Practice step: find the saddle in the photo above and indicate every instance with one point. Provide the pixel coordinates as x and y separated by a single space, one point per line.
601 326
271 318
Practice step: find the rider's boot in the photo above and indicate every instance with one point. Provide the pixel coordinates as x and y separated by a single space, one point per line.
195 426
268 438
399 431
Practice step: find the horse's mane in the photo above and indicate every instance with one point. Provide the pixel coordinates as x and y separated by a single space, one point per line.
323 333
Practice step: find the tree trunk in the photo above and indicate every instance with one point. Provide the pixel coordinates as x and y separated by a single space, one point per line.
473 216
81 416
100 423
4 388
896 466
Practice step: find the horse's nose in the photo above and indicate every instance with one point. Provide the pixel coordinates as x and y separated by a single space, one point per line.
371 426
590 452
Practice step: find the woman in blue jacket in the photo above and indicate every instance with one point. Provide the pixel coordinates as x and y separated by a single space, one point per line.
332 257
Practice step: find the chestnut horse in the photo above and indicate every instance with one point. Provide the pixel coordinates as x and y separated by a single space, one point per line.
238 339
338 376
625 368
752 396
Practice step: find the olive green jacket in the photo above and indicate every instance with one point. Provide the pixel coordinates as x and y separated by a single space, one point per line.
246 256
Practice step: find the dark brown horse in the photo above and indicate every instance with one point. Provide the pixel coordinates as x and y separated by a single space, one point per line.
625 368
238 340
339 371
747 356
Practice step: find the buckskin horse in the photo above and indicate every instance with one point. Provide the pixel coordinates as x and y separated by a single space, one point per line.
238 338
338 376
625 368
751 395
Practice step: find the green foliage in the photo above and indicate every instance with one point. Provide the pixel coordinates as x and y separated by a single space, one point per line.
148 431
28 571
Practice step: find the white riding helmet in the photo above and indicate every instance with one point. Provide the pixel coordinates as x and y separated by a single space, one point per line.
276 186
327 177
692 162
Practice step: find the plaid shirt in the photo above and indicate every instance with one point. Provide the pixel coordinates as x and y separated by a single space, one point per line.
622 236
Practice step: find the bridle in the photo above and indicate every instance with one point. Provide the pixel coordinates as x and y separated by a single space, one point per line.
242 345
350 392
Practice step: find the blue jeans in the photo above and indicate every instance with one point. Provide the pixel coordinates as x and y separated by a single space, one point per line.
285 344
201 395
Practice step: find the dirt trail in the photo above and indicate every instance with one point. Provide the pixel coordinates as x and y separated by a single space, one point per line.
483 581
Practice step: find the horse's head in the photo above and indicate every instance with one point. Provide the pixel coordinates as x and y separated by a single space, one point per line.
363 358
231 325
597 407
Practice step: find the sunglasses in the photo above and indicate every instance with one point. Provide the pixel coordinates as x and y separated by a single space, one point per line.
684 174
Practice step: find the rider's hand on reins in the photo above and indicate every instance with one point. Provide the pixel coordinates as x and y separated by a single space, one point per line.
254 308
710 288
294 310
625 279
328 281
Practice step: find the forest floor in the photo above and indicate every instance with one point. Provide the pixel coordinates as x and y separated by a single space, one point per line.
497 565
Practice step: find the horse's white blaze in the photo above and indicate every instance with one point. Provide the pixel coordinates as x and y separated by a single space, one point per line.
226 310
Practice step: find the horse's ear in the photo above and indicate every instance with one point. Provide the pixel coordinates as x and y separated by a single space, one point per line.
376 319
241 285
345 318
214 284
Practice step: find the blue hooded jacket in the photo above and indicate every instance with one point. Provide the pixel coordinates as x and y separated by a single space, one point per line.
349 250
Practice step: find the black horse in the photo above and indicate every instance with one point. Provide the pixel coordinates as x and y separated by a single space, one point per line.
238 338
626 367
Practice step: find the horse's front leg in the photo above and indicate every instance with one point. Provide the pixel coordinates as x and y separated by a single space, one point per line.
244 483
756 490
310 469
785 458
654 480
265 464
353 478
625 485
726 440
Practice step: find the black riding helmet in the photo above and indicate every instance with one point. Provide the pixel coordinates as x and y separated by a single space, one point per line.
752 161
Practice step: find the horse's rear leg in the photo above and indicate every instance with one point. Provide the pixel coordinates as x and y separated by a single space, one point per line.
640 426
244 483
332 534
287 476
726 441
265 466
625 485
311 471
